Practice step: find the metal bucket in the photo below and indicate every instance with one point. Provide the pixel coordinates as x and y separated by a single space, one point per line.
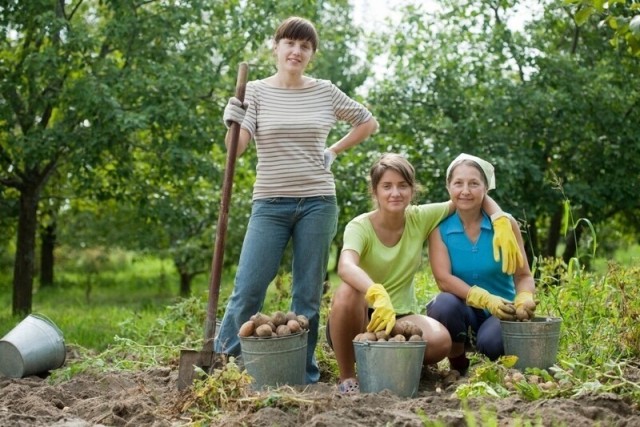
535 342
34 346
393 366
275 361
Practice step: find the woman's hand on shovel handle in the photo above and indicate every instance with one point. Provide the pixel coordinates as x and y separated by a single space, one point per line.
234 112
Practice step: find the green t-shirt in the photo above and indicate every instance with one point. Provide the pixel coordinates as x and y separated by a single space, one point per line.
395 267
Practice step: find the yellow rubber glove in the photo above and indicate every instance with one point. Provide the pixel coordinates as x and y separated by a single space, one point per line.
384 316
499 307
525 306
504 240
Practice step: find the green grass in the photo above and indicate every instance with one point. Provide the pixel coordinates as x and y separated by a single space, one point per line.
628 257
91 309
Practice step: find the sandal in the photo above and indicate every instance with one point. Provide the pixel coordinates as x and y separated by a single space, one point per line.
349 386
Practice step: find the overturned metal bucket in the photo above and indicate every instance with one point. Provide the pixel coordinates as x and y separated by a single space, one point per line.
535 343
393 366
34 346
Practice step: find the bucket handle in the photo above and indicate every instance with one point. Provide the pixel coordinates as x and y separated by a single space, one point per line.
49 321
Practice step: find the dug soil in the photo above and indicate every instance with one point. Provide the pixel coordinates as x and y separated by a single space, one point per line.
151 398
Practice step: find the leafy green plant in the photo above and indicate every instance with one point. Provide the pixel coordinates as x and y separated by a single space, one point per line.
597 335
217 392
426 421
598 310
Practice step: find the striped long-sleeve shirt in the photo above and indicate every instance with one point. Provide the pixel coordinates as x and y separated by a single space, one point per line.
290 127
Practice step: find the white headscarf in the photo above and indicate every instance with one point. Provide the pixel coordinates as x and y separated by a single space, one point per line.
486 167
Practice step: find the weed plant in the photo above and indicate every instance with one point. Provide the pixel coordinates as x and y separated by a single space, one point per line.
600 335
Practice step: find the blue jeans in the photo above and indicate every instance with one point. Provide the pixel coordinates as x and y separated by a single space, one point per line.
312 224
458 318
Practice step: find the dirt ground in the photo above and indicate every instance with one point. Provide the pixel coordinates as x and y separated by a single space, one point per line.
151 398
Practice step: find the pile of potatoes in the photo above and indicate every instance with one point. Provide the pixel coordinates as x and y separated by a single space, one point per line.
402 331
279 324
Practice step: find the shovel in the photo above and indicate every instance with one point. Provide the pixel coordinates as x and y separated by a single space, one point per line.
206 358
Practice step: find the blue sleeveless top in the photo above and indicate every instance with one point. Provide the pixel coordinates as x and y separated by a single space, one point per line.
474 263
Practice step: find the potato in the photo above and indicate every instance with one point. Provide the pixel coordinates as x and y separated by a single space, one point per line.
413 329
525 312
417 338
370 336
399 338
294 326
278 318
264 331
522 315
549 385
272 326
283 330
517 377
247 328
398 328
291 316
304 322
534 379
260 319
381 335
358 338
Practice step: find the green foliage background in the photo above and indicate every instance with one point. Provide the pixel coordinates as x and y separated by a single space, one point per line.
111 137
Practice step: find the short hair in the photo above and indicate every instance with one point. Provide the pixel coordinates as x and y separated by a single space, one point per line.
296 28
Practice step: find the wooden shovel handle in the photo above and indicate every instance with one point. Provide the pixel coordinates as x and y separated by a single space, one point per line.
223 216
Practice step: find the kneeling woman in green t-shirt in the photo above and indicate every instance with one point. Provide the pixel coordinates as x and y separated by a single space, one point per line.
382 252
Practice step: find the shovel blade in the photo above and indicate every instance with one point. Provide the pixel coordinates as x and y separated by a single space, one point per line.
189 359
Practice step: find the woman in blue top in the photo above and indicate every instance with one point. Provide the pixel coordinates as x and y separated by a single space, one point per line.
476 293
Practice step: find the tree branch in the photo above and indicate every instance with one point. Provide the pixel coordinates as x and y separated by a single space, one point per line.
631 108
508 40
75 9
13 183
47 171
576 31
11 95
496 15
144 3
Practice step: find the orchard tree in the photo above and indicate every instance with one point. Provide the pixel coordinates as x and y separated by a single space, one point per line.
102 91
620 16
555 114
87 85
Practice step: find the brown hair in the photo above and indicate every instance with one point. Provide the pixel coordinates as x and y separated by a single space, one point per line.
396 163
296 28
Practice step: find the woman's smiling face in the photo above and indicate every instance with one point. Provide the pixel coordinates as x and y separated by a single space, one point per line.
393 193
293 55
467 187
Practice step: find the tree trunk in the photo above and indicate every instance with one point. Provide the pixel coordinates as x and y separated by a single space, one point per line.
185 284
531 241
25 250
572 244
48 243
554 233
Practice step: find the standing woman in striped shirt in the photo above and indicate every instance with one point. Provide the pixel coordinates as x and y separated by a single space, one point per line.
290 115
